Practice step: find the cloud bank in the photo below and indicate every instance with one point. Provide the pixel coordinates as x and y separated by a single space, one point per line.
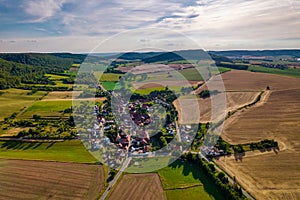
213 24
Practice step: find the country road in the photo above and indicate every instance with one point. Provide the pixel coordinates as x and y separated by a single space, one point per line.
114 181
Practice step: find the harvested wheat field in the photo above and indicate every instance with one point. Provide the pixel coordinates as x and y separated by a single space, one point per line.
164 83
267 175
21 179
234 100
278 118
138 186
239 80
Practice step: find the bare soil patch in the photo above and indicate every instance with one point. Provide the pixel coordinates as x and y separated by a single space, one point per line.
149 85
138 186
21 179
149 68
13 131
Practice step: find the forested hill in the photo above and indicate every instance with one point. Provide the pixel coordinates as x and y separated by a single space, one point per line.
16 68
268 53
56 60
151 57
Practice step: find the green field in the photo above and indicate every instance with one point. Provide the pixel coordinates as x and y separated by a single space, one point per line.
109 85
189 193
67 151
15 100
54 77
185 180
285 72
47 109
147 91
147 165
110 77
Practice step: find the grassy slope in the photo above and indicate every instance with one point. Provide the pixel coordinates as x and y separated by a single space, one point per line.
14 100
47 109
67 151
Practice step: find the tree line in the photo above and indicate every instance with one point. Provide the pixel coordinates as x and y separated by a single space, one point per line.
228 191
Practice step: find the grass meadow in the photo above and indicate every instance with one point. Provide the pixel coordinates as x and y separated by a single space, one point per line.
66 151
182 180
47 109
285 72
15 100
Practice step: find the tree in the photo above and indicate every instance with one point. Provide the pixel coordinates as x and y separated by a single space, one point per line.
36 117
221 175
163 141
212 167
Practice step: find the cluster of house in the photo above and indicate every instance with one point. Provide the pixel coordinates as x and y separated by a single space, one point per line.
137 142
132 137
186 134
139 112
96 139
212 151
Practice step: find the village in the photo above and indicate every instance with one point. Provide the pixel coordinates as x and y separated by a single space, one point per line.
129 133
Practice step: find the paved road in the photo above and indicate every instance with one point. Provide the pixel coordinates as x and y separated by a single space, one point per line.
113 182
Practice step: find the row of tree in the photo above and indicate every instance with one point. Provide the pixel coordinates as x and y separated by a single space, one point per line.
228 191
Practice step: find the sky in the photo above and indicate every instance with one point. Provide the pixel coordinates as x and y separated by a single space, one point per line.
84 26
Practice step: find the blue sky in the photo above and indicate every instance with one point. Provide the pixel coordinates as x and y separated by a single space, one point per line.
78 26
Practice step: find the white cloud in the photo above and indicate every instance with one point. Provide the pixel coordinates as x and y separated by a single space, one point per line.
42 9
212 23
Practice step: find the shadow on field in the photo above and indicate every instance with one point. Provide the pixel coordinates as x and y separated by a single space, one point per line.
188 168
19 145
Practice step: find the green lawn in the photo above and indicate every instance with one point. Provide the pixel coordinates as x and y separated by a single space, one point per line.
285 72
186 181
67 151
15 100
189 193
47 109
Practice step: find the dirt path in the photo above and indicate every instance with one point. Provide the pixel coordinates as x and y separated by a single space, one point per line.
80 99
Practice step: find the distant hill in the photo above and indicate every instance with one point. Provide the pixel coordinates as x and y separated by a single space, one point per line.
55 60
152 57
257 53
136 55
16 68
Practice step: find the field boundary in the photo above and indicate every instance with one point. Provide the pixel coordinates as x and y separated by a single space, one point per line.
185 187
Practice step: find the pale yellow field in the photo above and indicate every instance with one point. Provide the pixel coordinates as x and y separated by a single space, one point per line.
62 95
20 179
138 186
233 101
267 175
